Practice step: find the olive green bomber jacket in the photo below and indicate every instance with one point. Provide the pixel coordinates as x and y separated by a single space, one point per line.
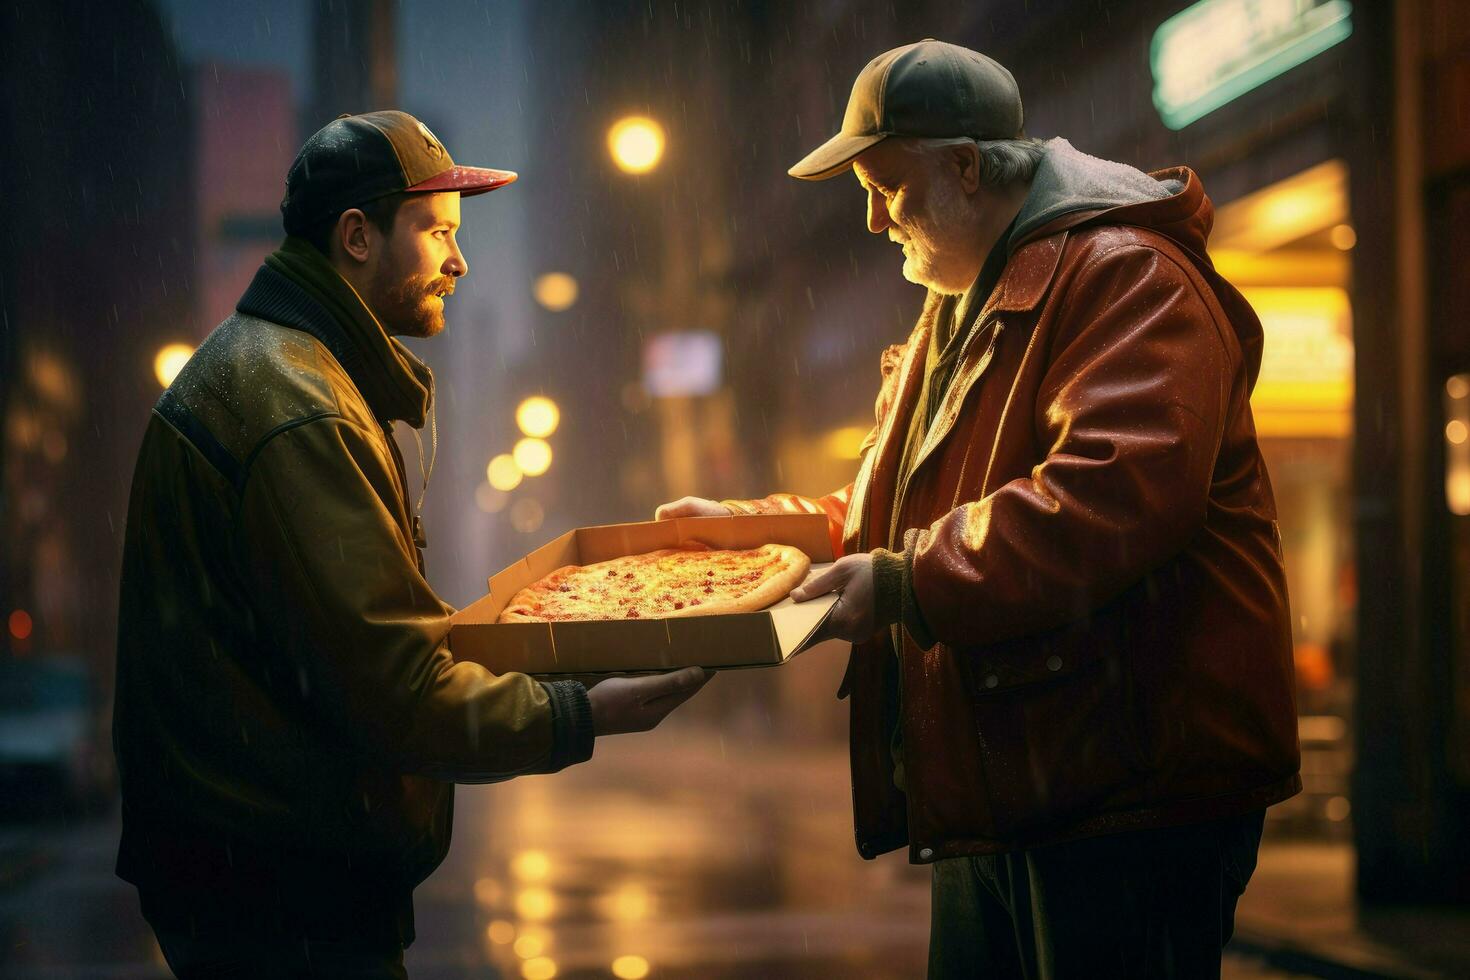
284 688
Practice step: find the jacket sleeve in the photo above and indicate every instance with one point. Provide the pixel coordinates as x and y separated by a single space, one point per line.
334 573
1131 411
834 504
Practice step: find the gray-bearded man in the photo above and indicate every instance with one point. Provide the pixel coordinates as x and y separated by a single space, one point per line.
1071 677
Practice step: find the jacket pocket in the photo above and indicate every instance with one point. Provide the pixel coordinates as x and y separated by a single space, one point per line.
1062 748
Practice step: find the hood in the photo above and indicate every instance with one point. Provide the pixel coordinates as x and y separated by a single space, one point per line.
1072 190
1070 183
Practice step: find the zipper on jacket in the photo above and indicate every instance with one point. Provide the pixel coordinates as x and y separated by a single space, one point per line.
416 526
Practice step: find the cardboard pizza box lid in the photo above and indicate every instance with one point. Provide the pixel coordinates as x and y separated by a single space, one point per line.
759 639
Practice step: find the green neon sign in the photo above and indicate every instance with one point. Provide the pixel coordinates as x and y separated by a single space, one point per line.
1218 50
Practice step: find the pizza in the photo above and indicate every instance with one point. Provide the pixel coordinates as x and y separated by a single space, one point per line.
673 582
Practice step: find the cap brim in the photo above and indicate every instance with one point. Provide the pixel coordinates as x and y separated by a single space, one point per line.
469 181
833 156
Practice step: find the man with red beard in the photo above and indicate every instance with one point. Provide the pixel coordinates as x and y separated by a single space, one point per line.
1071 678
288 719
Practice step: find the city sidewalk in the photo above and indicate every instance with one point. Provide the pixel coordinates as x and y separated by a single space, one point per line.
1300 914
717 847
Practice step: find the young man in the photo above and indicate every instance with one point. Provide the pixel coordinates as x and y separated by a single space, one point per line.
288 718
1072 674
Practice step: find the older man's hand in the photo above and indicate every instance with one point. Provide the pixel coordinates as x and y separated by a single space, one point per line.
854 617
691 507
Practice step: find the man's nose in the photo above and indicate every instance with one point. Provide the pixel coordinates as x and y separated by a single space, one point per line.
878 220
456 265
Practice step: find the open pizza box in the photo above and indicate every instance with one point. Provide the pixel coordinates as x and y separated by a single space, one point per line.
759 639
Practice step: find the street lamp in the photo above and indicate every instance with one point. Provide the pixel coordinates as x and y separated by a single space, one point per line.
636 144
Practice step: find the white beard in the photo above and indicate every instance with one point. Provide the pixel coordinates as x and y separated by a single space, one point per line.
921 252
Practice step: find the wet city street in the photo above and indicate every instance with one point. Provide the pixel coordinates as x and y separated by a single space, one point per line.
718 846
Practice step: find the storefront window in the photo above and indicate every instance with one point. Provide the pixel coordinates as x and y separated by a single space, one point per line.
1286 248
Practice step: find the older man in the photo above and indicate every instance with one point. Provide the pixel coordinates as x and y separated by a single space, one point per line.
1071 680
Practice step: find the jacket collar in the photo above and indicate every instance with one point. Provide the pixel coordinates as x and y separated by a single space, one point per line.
1027 274
298 293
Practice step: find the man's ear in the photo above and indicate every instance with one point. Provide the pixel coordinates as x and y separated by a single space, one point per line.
352 235
965 158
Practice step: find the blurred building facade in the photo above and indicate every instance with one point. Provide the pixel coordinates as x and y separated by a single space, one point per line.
354 59
96 268
237 194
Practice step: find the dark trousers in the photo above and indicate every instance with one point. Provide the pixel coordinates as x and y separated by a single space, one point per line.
1144 904
274 957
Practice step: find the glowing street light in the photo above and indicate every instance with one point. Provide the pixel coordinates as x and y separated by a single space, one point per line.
532 456
556 291
636 144
169 361
538 416
503 473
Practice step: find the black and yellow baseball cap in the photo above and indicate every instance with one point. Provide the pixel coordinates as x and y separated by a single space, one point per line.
356 159
929 88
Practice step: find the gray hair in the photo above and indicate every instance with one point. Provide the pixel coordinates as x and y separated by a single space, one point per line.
1002 162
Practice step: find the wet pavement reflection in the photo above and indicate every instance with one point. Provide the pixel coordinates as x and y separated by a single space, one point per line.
718 846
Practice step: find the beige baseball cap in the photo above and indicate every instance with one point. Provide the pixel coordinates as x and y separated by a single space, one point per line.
356 159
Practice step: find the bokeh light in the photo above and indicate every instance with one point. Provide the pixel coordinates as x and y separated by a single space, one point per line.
491 500
556 291
532 456
529 946
500 932
527 514
531 865
535 904
630 967
636 144
487 891
169 361
20 624
541 968
503 473
538 416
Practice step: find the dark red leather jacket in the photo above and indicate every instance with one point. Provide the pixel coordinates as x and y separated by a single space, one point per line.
1097 555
